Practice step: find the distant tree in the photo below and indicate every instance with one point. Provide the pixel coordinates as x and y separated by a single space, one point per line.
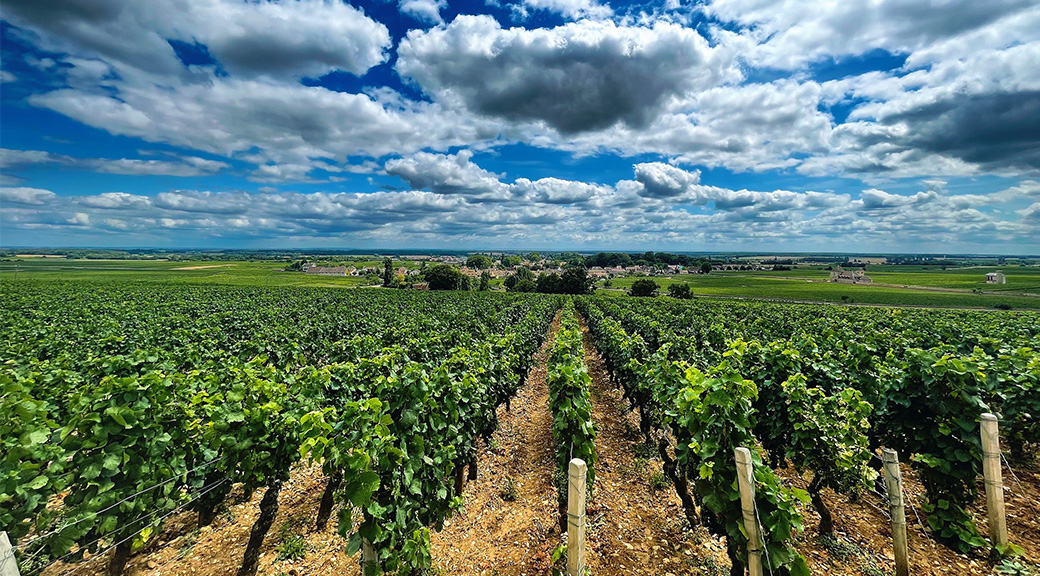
445 277
705 267
607 283
512 260
549 283
479 262
526 285
388 272
295 266
680 290
485 281
534 256
513 280
576 280
644 287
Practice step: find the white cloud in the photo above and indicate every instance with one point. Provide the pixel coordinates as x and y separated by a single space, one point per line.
6 77
582 76
664 181
788 33
543 212
26 196
115 201
281 39
182 166
572 9
1031 213
428 11
753 127
642 84
266 122
445 174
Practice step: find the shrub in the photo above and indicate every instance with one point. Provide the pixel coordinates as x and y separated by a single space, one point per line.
644 287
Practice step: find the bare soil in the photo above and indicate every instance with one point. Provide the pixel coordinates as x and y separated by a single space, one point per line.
635 527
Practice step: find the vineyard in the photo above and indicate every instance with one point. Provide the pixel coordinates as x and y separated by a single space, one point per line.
128 408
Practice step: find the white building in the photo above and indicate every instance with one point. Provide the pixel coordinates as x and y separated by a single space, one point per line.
996 278
843 276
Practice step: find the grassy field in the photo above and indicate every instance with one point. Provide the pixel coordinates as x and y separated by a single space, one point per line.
207 272
805 284
1019 279
796 285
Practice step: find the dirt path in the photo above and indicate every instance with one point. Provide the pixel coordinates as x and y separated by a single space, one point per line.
636 521
203 267
494 535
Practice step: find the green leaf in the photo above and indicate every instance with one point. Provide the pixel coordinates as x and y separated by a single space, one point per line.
361 489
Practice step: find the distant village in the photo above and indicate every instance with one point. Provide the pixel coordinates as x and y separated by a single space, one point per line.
499 269
488 269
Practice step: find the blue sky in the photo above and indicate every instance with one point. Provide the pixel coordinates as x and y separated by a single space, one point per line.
883 126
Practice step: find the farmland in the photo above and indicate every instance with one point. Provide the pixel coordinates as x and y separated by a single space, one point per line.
140 416
896 285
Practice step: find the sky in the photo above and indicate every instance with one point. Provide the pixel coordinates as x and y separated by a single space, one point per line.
892 126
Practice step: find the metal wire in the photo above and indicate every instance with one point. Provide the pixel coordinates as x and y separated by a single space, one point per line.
912 508
761 536
101 553
1008 464
91 515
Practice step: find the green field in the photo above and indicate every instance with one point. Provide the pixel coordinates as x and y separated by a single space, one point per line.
206 272
925 286
811 285
1019 278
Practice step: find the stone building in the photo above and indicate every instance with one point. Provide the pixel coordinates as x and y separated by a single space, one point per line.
842 276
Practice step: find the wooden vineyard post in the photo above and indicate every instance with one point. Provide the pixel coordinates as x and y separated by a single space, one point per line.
8 565
369 559
894 482
746 483
576 478
994 482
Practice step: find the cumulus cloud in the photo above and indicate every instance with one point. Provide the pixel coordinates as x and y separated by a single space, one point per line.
428 11
266 122
963 117
302 37
289 38
665 181
995 131
26 196
573 9
536 212
788 33
445 174
182 166
1031 213
651 85
582 76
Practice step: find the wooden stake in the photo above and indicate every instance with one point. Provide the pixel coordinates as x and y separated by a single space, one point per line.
746 483
369 559
894 482
8 565
576 478
994 483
